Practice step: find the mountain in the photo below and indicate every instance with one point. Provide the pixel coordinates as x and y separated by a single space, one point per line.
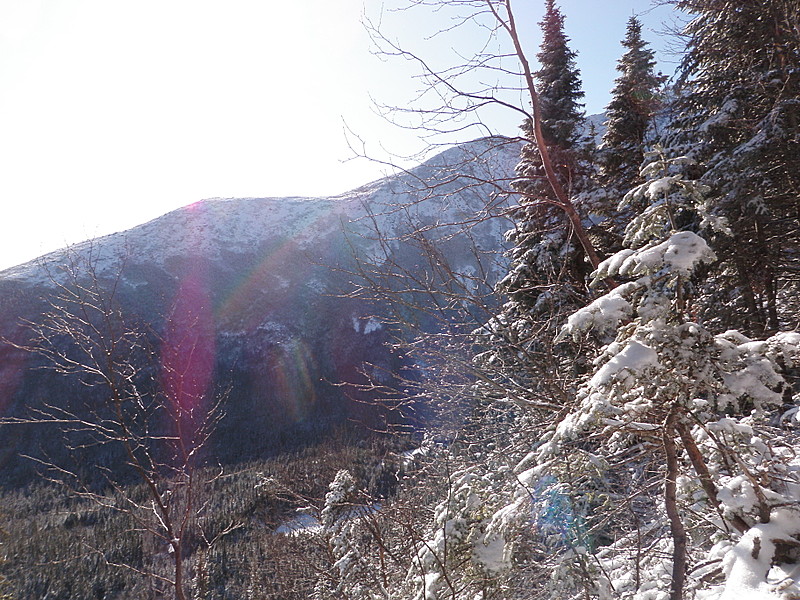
264 286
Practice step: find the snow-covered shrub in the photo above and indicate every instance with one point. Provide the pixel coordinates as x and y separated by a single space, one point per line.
703 400
351 573
461 554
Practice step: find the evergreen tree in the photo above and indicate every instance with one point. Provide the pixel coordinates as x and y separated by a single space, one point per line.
548 270
629 119
545 253
741 108
694 399
634 101
559 83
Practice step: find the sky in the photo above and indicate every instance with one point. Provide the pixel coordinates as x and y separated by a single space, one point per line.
114 112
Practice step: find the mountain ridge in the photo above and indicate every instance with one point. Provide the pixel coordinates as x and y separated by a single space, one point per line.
414 182
272 277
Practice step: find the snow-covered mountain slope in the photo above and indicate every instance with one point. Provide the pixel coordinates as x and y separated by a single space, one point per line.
270 276
598 123
447 189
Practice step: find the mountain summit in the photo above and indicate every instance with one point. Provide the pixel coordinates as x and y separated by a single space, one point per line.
267 282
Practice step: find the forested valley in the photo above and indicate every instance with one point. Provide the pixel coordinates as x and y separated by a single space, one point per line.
615 417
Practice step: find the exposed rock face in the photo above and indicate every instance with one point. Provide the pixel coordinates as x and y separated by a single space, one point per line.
260 282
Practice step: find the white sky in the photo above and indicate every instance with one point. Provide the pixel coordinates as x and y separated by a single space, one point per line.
113 112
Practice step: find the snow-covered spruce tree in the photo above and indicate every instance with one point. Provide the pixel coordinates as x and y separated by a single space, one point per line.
634 101
740 110
547 519
458 558
351 573
548 263
705 405
559 83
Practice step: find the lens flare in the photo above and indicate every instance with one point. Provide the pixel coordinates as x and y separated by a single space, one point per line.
555 517
13 364
291 371
266 296
189 351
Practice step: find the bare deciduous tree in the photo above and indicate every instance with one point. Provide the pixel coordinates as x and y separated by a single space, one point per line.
148 405
461 95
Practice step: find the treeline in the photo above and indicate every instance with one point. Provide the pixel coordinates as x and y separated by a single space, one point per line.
60 546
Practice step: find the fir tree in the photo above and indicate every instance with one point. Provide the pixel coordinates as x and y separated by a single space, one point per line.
634 101
741 109
666 383
544 251
559 83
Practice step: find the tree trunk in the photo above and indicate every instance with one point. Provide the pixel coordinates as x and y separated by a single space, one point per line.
676 527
